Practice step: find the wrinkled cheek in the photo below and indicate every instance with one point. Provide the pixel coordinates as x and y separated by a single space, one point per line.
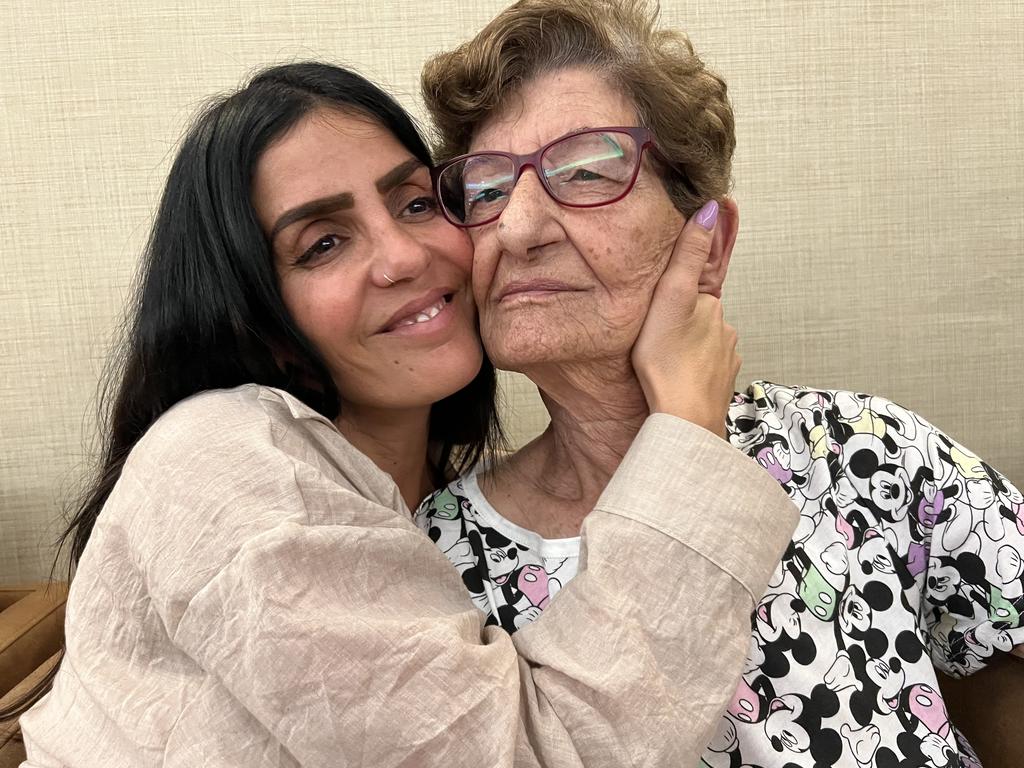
492 333
482 268
630 301
623 320
521 338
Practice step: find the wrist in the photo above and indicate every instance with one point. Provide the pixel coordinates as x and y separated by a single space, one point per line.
706 419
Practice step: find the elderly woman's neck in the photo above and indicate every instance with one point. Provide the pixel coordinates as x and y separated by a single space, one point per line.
596 411
586 441
553 483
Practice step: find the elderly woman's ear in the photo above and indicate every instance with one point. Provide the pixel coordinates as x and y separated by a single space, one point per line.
712 276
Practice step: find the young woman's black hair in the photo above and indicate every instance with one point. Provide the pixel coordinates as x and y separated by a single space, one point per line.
208 313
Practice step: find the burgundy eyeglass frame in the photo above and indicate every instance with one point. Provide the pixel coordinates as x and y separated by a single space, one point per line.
642 136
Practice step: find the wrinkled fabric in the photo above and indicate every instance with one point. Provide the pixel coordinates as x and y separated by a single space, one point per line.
255 594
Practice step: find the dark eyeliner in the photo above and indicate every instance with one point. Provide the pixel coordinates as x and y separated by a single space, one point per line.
311 252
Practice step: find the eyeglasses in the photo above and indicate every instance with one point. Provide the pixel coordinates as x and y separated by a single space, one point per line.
587 169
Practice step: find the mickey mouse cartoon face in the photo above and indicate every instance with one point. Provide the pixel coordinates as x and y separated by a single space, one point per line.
785 726
889 677
775 616
854 614
938 752
794 725
986 638
886 485
876 553
501 562
890 490
943 580
777 623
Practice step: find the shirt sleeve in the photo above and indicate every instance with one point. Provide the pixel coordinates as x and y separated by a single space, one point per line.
679 548
344 632
974 591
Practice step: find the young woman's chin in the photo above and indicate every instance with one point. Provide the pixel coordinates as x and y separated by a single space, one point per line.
419 377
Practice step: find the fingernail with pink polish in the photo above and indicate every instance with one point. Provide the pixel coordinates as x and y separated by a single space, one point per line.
708 215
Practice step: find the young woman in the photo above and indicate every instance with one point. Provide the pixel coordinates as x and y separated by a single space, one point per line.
302 367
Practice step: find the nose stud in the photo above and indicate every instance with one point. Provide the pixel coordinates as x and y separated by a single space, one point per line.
390 281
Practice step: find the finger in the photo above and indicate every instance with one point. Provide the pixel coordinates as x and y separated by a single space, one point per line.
693 246
679 284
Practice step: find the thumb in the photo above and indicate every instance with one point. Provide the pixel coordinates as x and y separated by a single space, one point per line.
690 253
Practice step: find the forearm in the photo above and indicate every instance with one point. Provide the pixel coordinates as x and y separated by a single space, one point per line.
345 633
676 553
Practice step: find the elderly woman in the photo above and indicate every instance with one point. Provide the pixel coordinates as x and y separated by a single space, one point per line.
580 140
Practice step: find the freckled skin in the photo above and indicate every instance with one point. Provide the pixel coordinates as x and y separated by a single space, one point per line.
614 254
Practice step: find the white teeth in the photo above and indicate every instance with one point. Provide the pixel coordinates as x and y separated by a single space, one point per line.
427 314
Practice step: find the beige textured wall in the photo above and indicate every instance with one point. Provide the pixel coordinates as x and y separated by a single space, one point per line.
880 175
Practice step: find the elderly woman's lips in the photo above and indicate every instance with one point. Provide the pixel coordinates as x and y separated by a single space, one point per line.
533 289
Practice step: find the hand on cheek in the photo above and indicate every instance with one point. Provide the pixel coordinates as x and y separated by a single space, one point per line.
685 356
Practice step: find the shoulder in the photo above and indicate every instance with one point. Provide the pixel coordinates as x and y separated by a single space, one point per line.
767 409
207 452
250 447
236 468
226 417
225 430
882 449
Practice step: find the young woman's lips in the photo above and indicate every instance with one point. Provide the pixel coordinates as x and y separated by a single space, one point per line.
425 317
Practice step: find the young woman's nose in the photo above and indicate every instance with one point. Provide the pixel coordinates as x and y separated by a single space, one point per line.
399 255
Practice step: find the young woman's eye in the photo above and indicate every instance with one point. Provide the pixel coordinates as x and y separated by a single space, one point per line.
321 247
421 206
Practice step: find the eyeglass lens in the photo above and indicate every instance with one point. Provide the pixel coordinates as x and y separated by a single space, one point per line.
583 170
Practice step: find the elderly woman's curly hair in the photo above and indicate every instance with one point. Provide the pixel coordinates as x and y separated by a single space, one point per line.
683 103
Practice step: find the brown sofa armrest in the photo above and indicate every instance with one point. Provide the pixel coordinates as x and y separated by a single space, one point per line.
31 629
988 707
12 750
9 595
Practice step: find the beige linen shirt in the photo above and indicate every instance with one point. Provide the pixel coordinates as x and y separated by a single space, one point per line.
255 594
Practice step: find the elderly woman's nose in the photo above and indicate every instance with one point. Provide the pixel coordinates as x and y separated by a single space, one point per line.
528 211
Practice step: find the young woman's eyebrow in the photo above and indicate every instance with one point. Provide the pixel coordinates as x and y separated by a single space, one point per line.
316 207
344 200
397 175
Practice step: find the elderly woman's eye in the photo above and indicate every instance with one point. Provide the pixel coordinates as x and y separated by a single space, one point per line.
585 174
491 195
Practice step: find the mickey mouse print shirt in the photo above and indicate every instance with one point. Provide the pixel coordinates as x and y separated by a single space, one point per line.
907 558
